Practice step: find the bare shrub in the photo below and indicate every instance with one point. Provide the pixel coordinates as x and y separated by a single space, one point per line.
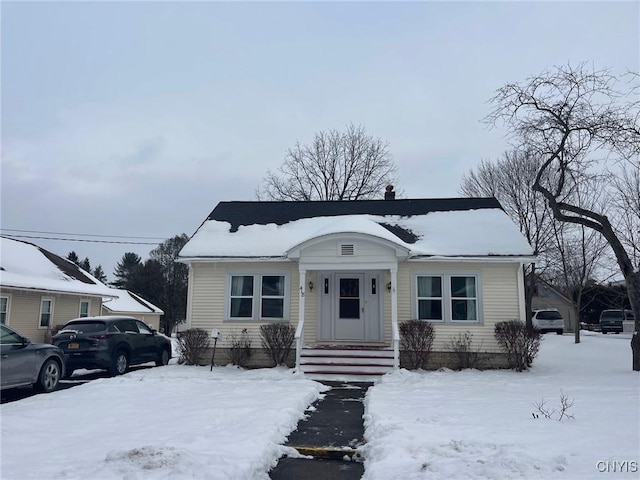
52 332
416 339
239 347
547 412
466 355
520 343
192 345
277 339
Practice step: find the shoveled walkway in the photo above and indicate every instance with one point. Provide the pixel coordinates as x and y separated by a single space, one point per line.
330 434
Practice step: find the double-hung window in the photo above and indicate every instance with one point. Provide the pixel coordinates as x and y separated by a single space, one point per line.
257 296
448 297
46 309
430 298
84 308
4 309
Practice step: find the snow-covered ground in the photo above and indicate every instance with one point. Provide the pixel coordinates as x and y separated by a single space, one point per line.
180 422
175 422
479 425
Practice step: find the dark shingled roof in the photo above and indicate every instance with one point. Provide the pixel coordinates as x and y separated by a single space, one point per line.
263 213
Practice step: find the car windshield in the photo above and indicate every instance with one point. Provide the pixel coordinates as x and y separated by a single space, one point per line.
612 315
84 327
549 315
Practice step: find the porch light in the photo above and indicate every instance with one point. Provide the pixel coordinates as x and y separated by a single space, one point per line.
389 286
311 286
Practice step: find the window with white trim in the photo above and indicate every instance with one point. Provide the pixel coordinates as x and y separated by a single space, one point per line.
4 309
257 296
84 308
46 309
448 298
430 298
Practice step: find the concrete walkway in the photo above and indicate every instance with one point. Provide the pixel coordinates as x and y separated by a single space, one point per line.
330 434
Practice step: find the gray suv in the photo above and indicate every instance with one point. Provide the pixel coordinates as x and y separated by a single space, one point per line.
611 320
25 363
111 342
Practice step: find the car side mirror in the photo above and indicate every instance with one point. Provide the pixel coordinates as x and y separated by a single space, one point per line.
25 341
154 331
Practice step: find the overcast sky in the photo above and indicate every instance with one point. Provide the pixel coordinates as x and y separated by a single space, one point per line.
136 119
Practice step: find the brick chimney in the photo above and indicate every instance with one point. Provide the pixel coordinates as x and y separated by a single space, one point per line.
389 194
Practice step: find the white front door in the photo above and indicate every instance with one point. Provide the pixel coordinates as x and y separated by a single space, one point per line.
349 318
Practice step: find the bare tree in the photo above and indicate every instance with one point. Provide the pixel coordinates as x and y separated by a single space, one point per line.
347 165
577 252
578 120
509 179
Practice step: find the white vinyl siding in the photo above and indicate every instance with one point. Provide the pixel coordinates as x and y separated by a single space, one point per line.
498 296
209 300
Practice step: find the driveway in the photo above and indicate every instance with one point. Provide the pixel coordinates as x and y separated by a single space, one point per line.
79 377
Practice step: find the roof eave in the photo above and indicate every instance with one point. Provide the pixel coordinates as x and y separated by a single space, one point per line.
59 292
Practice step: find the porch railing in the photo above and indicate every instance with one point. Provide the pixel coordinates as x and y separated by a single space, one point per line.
299 336
395 338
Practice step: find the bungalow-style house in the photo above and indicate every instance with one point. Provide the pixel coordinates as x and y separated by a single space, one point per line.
39 290
132 305
344 274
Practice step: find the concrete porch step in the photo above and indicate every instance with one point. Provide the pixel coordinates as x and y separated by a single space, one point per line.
346 364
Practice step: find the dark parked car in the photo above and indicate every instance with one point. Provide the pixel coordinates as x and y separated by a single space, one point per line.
25 363
113 343
611 320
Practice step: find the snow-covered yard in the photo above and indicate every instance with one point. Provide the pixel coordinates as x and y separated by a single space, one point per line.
479 425
180 422
174 422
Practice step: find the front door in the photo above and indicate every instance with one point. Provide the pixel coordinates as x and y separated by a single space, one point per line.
349 318
350 307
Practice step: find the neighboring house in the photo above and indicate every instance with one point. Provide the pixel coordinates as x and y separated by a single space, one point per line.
39 290
345 273
547 296
130 304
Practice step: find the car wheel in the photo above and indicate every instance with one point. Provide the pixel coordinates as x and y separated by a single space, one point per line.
120 363
49 376
164 358
560 332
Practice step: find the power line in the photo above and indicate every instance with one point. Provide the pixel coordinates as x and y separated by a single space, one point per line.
82 240
78 234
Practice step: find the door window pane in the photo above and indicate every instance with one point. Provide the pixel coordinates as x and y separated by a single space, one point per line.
349 304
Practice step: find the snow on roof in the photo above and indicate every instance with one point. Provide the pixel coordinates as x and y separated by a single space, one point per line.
481 232
27 266
129 302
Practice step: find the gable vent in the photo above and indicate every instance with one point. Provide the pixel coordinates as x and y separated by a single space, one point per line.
346 249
